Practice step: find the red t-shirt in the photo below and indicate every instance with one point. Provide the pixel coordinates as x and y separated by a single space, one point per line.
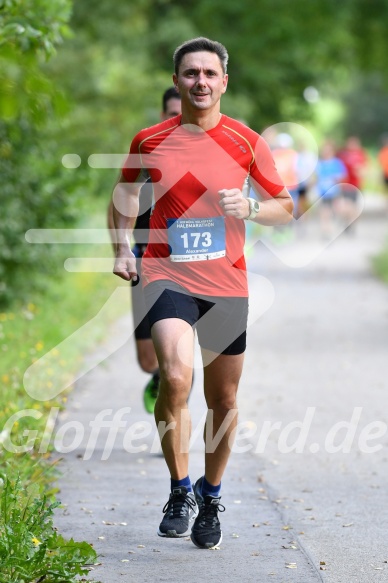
383 159
191 241
354 159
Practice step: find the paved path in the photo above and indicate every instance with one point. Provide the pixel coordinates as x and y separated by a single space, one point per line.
318 354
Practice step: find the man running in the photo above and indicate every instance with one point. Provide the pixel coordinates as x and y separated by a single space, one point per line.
383 161
193 270
355 160
146 357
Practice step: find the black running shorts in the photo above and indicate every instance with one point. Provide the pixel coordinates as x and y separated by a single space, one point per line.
139 310
220 322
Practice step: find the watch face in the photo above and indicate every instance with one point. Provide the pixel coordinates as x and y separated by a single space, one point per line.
256 206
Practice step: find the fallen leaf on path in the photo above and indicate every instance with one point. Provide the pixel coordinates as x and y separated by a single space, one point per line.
291 566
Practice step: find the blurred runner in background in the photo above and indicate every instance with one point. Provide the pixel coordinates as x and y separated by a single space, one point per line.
305 166
383 161
329 172
355 160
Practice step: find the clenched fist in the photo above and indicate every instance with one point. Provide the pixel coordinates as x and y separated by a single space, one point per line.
233 203
125 266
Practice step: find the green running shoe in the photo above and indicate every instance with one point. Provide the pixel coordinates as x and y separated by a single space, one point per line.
150 395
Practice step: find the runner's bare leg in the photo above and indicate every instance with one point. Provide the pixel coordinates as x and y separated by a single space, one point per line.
146 355
176 369
221 378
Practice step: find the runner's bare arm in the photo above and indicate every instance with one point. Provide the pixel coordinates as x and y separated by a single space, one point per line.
111 225
274 210
125 209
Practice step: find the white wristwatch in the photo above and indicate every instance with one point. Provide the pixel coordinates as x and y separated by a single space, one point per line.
254 208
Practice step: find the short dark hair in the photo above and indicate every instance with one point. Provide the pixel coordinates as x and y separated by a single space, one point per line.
170 93
201 44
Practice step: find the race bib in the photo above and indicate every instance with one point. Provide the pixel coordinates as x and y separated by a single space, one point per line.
196 239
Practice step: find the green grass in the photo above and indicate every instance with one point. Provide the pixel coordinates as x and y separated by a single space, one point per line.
42 331
380 264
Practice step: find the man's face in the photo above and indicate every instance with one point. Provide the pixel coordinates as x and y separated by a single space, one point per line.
201 80
173 108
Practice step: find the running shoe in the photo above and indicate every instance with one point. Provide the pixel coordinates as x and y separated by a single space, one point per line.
179 514
197 488
206 532
151 394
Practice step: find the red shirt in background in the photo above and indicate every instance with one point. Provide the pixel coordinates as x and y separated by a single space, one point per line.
354 159
383 160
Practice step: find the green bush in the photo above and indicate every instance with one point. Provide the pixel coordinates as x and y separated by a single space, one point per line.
37 193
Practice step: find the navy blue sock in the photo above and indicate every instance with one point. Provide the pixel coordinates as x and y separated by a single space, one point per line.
210 490
184 482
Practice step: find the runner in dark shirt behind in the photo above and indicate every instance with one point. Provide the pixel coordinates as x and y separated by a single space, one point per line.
146 356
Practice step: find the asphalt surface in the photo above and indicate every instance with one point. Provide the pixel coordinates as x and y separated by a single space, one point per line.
315 379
